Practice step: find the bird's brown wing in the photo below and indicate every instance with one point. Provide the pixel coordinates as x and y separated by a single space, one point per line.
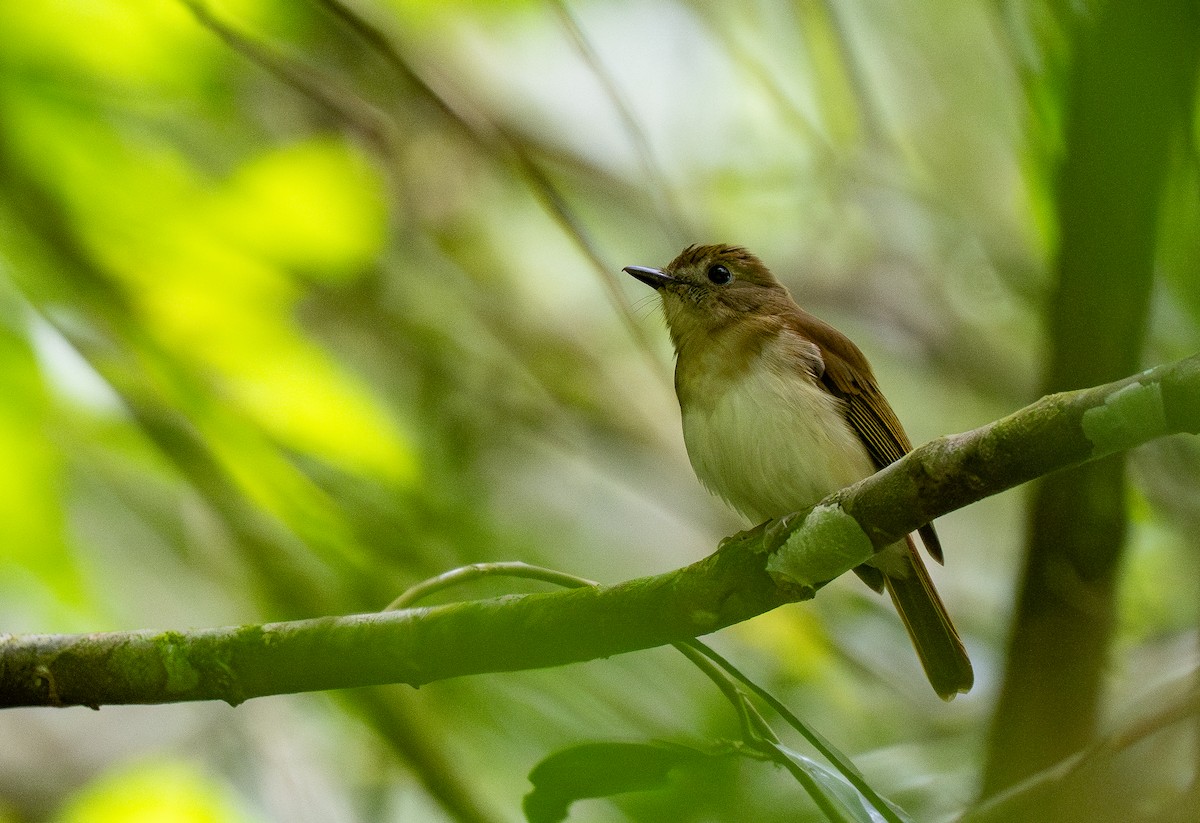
848 376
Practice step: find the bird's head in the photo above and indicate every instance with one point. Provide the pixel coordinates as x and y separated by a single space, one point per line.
707 288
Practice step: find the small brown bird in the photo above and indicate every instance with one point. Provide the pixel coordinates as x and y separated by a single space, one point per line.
779 410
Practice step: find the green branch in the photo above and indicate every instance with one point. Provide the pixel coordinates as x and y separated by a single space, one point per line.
748 575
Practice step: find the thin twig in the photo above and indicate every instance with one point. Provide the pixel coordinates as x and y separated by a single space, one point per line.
658 186
497 141
346 106
475 571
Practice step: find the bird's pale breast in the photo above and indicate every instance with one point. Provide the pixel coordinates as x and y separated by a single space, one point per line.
771 441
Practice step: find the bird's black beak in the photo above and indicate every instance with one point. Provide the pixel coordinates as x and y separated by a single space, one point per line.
655 278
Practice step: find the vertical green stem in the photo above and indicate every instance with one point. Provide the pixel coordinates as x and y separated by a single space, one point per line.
1129 99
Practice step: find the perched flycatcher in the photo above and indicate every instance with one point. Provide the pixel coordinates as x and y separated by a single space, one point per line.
779 410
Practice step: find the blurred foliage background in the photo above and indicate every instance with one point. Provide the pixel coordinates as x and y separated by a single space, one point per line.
303 302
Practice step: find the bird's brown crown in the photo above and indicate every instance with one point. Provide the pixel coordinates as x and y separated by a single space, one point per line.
742 264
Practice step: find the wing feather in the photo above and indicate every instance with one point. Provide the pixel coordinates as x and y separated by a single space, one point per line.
848 376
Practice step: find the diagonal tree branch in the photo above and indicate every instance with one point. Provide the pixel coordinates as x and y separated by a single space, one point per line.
748 575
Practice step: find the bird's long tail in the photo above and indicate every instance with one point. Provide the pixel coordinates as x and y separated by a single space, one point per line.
937 643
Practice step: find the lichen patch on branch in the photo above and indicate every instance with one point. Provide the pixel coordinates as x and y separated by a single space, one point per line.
829 543
1130 415
181 675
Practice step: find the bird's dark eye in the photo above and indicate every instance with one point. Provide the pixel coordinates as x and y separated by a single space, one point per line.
719 274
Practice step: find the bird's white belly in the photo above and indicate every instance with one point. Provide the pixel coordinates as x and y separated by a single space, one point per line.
770 445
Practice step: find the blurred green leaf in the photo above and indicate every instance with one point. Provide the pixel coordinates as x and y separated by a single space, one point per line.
154 792
314 206
600 770
839 794
136 43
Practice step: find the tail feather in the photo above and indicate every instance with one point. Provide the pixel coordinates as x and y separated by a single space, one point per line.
933 635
